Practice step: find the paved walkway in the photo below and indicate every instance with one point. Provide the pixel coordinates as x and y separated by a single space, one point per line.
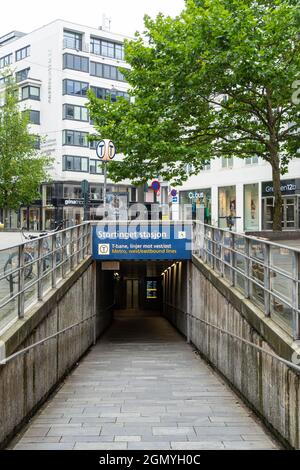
143 387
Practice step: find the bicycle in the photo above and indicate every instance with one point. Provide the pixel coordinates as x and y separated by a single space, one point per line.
12 264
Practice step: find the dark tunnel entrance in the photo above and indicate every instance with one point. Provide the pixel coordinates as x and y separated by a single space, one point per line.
137 287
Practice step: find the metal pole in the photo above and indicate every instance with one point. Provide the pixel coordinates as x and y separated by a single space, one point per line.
104 186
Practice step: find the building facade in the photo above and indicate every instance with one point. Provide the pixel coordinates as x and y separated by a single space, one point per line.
241 188
54 66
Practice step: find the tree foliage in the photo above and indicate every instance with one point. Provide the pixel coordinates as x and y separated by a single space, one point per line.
22 168
217 81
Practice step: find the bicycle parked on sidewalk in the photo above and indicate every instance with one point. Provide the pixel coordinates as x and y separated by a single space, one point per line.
12 264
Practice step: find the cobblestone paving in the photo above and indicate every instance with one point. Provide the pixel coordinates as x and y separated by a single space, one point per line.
143 387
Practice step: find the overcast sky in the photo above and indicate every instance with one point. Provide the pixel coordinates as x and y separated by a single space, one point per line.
126 15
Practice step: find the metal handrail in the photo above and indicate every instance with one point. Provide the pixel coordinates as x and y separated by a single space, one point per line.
249 343
208 247
75 247
44 237
54 335
249 237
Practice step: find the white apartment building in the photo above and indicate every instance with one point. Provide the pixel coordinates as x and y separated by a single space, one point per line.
54 67
241 188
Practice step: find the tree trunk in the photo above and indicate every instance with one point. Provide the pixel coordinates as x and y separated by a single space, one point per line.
5 217
277 214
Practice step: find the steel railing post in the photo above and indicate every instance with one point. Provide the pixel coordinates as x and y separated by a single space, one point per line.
232 260
54 257
63 254
40 269
267 282
295 297
247 268
21 298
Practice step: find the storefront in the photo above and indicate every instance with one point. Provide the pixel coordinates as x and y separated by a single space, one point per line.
290 190
227 204
251 207
197 202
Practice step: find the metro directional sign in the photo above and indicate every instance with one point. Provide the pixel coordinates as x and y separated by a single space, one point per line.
105 150
143 241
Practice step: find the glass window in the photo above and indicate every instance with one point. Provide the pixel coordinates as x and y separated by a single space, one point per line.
198 201
227 162
73 40
22 75
77 113
251 207
30 92
227 204
106 71
119 51
252 160
37 142
74 163
77 138
96 167
75 62
74 87
5 61
22 53
34 116
107 48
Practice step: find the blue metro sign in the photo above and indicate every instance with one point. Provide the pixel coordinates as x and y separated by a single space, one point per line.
141 242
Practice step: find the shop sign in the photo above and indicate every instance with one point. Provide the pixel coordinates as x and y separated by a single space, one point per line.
73 202
287 187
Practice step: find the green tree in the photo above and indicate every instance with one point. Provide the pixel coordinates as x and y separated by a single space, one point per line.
217 81
22 167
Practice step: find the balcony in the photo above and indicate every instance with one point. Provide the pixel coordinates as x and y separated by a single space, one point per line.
79 46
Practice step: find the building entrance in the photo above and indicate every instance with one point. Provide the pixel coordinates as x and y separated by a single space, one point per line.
290 214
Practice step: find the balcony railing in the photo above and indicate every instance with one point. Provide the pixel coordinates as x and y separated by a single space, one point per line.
69 43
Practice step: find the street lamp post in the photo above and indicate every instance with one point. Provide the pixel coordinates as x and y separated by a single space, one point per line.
106 151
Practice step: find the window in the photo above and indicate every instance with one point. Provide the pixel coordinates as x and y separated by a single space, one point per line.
74 87
103 93
93 144
22 53
30 92
73 40
227 204
34 116
96 167
76 113
5 61
73 163
77 138
251 207
75 62
106 71
5 80
227 162
22 75
37 142
207 166
107 48
252 160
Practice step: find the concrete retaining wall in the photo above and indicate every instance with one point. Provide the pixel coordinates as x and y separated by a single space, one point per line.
268 386
27 380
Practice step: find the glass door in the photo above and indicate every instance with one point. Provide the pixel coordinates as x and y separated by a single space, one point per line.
268 210
290 212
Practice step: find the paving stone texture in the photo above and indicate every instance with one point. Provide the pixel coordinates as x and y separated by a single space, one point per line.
143 387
